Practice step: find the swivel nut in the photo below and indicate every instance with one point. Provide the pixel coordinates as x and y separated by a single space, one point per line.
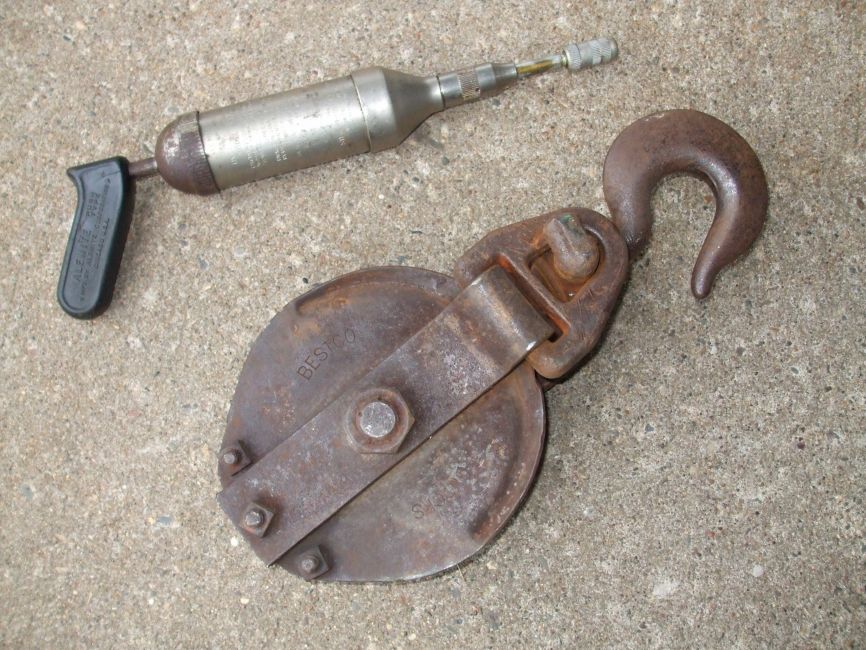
590 53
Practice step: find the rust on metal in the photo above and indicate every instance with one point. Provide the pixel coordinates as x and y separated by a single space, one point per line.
234 458
473 343
180 157
312 563
579 311
379 421
441 503
387 424
575 252
425 406
687 141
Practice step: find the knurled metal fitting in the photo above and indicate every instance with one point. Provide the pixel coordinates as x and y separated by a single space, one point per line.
590 53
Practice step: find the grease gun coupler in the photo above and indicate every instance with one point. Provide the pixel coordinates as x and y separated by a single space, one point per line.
204 152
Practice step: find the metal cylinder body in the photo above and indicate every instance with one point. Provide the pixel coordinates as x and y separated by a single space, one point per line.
281 133
370 110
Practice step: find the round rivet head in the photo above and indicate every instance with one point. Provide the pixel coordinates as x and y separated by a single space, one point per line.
231 457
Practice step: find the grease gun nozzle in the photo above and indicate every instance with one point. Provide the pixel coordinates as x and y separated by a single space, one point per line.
487 79
574 57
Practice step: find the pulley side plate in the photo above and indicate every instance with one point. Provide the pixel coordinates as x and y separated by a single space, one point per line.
444 501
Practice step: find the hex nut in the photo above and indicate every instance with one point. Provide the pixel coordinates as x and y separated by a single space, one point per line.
378 421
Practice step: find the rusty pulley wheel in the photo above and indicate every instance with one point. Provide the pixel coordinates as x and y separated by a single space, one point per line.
440 504
387 424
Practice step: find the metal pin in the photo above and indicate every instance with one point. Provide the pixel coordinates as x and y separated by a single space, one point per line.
309 563
575 252
377 419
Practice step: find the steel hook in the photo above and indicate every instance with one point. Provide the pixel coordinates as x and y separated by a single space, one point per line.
696 143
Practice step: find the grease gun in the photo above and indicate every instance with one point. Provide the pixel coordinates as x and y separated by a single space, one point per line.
369 110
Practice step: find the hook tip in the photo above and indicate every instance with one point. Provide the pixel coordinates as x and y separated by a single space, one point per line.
701 285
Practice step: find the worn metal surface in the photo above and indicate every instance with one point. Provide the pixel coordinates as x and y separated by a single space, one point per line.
280 133
349 474
579 310
372 109
234 458
329 488
379 421
574 251
469 346
143 168
444 502
180 156
687 141
111 428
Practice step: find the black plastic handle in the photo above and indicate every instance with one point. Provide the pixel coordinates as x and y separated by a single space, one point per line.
106 194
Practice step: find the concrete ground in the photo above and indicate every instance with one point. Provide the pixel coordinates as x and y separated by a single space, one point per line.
703 484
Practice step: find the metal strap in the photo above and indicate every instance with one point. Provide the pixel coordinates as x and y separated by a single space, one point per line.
473 343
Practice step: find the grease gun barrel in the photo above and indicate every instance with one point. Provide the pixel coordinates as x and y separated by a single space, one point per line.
369 110
202 153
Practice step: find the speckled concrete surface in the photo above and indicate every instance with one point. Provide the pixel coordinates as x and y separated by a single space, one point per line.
704 476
